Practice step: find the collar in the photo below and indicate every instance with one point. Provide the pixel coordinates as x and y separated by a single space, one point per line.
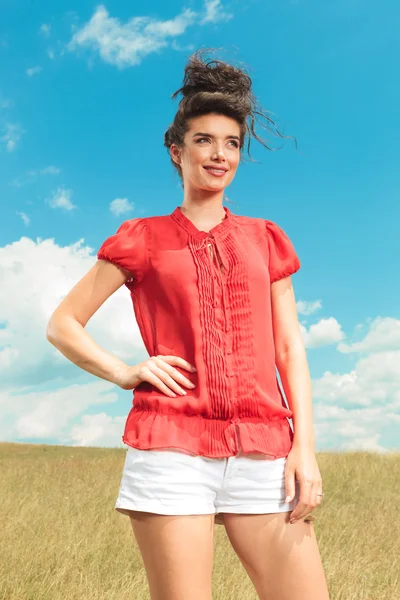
191 228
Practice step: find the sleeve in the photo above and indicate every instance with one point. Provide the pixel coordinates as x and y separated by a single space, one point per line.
128 247
283 260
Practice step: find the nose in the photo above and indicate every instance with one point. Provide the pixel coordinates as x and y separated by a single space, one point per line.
219 153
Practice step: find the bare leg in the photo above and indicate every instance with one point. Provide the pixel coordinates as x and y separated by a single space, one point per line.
177 553
282 560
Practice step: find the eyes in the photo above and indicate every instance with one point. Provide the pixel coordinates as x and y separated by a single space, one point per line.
236 144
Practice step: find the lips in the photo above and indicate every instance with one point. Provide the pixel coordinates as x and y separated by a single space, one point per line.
216 169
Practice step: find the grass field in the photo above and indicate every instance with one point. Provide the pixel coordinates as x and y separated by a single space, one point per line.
61 538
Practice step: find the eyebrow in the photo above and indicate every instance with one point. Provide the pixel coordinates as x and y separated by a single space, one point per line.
236 137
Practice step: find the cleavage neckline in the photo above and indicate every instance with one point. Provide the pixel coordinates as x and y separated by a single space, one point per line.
191 228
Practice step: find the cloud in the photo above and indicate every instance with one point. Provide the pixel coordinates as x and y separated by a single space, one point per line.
214 13
12 135
325 332
308 308
39 415
38 274
127 44
121 206
351 410
5 103
383 335
50 170
24 217
348 429
375 380
33 71
61 198
98 430
43 395
33 174
45 29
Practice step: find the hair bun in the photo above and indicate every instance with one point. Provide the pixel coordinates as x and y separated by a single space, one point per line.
213 75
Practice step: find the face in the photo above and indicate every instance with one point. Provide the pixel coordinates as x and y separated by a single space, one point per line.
212 140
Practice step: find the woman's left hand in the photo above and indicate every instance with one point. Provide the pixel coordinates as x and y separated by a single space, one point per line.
301 464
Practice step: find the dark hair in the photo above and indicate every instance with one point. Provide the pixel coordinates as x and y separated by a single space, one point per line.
213 86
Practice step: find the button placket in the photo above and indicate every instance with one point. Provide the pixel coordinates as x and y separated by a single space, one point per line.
217 264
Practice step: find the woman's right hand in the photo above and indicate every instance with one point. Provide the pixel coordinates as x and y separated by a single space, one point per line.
160 372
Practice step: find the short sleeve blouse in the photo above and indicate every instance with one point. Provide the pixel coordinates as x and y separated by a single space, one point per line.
206 297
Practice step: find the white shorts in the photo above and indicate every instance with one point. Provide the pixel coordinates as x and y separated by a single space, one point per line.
173 482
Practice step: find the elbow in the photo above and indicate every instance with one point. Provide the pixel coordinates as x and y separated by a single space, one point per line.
58 328
289 354
51 332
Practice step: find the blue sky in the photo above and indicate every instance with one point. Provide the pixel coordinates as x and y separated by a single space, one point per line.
85 98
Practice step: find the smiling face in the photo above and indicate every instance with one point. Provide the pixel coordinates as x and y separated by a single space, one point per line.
212 140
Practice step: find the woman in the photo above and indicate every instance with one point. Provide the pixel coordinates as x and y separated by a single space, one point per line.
208 435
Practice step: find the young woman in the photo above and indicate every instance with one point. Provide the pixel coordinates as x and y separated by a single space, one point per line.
208 435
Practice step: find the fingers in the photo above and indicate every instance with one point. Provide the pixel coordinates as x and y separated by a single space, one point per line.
290 485
308 499
158 371
171 375
181 362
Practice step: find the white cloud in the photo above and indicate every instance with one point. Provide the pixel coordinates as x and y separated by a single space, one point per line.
367 444
45 29
127 44
351 429
214 12
38 275
11 136
325 332
50 170
33 71
47 414
375 380
98 430
26 356
24 217
5 103
51 54
308 308
121 206
33 174
383 335
61 198
352 409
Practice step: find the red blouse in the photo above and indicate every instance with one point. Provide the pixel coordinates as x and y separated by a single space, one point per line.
205 296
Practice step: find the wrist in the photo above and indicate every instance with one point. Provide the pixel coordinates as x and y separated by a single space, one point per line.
119 374
303 442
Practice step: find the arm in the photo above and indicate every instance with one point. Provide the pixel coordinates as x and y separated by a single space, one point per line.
291 361
66 332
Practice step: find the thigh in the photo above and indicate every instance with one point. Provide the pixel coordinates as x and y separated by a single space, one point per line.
281 559
177 553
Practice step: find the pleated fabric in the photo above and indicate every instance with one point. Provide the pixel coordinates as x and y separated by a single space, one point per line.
206 297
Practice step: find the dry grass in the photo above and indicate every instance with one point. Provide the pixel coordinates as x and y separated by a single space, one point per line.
61 538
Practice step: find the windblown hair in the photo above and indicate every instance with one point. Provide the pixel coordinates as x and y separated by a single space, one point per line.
214 86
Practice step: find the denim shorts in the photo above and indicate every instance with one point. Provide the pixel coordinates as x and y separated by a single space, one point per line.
175 482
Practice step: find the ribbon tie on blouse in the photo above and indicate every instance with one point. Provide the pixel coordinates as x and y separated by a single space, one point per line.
211 241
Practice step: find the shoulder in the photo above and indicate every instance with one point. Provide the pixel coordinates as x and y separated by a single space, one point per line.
251 226
261 229
264 227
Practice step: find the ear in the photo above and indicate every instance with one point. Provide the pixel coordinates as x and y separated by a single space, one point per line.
175 154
